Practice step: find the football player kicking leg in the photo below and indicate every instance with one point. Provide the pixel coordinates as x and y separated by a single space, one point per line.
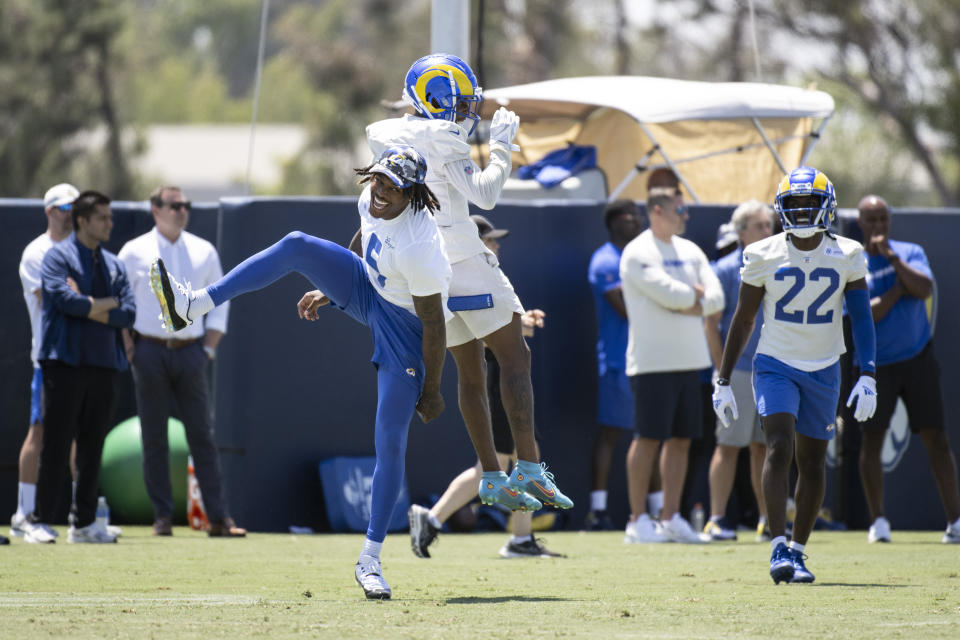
802 277
408 330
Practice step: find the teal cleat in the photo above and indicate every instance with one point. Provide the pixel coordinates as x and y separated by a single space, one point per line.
781 564
540 486
800 571
498 491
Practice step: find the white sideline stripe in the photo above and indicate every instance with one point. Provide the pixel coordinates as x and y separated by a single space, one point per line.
47 600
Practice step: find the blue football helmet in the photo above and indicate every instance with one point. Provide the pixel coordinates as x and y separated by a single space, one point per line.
402 164
806 181
441 86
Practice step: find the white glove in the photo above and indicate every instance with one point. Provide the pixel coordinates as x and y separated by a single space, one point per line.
722 400
865 393
503 126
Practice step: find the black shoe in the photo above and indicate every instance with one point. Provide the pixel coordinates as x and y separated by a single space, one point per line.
598 521
4 540
422 533
531 548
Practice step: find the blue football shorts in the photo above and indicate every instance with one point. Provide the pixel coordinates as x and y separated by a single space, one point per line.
811 397
36 397
615 402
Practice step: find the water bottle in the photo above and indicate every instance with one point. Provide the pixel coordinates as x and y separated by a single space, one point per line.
103 513
697 517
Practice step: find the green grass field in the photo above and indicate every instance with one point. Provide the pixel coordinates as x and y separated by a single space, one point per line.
274 585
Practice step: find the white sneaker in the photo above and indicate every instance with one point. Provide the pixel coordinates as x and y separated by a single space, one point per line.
879 530
92 533
115 531
174 297
370 578
642 531
38 533
18 525
952 536
676 529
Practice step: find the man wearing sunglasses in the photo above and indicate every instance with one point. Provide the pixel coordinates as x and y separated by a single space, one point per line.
57 205
668 288
167 369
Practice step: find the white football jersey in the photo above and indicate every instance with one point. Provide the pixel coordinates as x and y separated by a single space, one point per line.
404 257
451 174
31 263
803 299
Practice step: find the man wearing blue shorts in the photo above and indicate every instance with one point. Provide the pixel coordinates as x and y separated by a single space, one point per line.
802 278
399 290
614 397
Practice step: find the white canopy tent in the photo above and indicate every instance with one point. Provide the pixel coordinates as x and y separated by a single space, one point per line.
727 141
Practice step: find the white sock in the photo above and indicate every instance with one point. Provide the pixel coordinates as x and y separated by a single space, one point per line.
598 500
762 520
519 539
434 520
26 498
655 502
715 518
796 546
200 303
956 525
371 548
776 542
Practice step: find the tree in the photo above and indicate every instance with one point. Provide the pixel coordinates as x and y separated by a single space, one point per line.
55 64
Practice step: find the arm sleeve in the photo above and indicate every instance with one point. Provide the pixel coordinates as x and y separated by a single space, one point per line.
754 269
862 327
858 264
216 320
603 275
55 273
481 187
123 316
653 281
30 274
713 299
917 259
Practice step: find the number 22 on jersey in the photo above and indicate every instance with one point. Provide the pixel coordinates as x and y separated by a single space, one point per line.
812 313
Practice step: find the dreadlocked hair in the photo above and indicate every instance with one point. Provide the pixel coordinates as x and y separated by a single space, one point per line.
421 197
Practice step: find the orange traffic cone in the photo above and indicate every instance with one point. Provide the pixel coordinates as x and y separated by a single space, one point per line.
196 514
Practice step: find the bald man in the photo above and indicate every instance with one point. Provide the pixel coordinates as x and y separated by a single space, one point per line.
900 281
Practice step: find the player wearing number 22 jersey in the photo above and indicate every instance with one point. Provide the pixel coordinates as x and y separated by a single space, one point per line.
802 277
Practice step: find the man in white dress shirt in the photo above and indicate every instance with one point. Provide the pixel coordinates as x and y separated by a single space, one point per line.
668 288
169 369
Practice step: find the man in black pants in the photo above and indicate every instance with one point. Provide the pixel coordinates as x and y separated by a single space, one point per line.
86 302
170 370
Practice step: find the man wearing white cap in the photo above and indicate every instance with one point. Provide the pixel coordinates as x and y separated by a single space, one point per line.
57 204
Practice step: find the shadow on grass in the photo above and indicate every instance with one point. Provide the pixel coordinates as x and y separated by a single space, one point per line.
505 599
864 585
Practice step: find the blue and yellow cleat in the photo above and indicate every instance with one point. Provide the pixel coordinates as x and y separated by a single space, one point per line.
800 571
781 564
540 486
497 491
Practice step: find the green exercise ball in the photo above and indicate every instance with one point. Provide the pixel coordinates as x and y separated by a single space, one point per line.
121 473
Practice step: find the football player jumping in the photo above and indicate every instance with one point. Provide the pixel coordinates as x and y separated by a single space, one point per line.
445 95
801 276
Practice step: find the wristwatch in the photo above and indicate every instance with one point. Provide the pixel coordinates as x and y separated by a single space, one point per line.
723 382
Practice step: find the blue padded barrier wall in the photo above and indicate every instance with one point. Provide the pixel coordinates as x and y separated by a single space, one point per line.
289 393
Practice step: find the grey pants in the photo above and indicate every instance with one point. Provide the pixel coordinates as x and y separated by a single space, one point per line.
164 376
